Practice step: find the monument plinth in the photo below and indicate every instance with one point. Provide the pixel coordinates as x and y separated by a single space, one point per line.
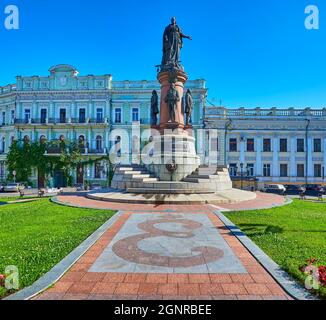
174 154
177 78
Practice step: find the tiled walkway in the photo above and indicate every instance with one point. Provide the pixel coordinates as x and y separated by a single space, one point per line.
263 200
178 252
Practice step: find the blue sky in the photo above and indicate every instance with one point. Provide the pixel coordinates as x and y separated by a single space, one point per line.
252 53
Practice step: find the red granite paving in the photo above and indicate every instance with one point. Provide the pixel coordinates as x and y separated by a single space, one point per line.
263 200
79 284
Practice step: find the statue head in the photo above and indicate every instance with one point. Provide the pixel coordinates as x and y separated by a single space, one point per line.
174 20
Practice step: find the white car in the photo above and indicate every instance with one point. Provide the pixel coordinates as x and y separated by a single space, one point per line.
274 188
13 187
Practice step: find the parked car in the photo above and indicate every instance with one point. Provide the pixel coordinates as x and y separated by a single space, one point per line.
274 188
294 189
13 187
315 189
312 187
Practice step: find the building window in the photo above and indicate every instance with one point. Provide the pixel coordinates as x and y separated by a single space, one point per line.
82 115
118 146
267 146
13 116
99 144
250 145
62 115
300 171
3 118
283 145
81 144
317 170
214 145
300 145
98 169
43 115
317 145
250 169
117 117
27 115
267 170
99 115
43 139
233 145
135 114
233 169
283 170
2 170
3 144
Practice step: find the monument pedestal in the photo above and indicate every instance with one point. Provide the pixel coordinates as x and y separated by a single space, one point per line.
174 154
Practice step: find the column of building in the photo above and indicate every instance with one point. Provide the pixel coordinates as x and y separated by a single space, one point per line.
259 149
310 172
293 170
275 165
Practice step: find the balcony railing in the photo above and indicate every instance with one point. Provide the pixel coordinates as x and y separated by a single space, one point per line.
54 150
61 121
217 112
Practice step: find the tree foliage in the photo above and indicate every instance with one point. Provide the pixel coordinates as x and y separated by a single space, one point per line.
25 156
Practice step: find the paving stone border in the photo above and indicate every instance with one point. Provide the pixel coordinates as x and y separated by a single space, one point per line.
294 289
62 267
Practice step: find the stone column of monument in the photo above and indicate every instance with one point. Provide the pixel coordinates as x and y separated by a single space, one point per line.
174 156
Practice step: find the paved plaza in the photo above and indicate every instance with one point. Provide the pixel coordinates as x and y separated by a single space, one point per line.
166 252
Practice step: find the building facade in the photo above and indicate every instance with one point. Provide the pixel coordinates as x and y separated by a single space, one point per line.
263 145
88 109
285 146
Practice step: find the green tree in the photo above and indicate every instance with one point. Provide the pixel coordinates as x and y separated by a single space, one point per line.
24 156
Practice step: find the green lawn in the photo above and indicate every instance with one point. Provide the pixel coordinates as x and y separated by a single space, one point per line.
289 235
36 236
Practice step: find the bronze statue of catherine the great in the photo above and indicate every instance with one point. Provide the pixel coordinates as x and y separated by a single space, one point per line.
172 45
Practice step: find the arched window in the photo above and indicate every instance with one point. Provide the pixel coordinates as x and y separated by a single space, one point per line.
118 146
42 139
99 143
62 138
26 139
81 141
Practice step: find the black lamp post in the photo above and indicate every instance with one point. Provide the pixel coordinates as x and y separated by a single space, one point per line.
241 175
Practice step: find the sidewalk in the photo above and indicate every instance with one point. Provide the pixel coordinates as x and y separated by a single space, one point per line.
169 252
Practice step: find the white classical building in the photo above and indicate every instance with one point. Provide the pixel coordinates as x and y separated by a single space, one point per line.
266 145
285 146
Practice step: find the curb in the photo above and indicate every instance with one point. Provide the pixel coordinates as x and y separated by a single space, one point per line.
294 289
64 265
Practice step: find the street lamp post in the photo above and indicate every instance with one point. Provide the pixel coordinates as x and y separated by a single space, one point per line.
241 175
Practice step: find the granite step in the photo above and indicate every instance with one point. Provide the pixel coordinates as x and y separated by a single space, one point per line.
168 191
